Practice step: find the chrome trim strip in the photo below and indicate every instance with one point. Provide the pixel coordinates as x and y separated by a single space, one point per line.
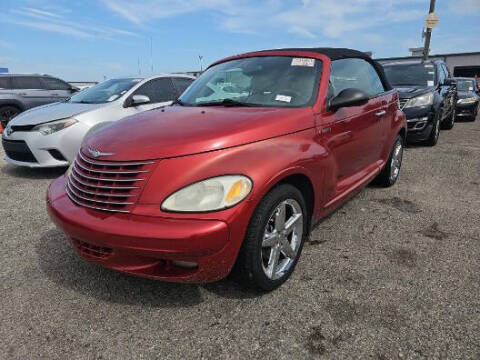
110 172
97 193
113 163
94 207
97 201
103 186
107 180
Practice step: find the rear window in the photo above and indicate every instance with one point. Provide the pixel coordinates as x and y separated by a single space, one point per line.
27 82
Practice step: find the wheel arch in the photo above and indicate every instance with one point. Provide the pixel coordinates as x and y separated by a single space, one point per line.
303 183
12 102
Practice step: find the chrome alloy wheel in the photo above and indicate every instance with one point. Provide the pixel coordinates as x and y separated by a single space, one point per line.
282 239
396 163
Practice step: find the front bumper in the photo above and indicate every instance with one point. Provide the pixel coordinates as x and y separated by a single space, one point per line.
40 151
145 246
420 123
467 110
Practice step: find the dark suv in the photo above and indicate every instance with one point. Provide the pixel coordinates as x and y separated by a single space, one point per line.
427 97
22 92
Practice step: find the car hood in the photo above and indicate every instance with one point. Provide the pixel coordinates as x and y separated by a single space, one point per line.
51 112
466 94
411 92
179 131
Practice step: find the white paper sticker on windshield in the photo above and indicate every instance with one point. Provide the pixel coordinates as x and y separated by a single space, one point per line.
430 83
283 98
303 62
113 97
429 66
431 72
470 89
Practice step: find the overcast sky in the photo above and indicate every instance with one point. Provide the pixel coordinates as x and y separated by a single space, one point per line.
87 39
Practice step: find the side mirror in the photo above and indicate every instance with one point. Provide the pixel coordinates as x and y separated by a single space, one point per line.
449 82
137 100
349 97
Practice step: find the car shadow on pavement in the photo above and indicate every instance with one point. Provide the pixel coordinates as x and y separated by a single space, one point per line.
60 263
32 173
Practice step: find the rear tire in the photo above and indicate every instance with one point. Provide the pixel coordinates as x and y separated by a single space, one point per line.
390 172
448 123
274 239
7 113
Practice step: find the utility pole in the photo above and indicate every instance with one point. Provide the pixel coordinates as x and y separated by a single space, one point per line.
428 35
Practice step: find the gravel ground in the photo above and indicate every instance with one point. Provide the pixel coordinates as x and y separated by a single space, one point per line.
394 274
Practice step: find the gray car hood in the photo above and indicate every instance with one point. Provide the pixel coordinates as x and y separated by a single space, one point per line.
51 112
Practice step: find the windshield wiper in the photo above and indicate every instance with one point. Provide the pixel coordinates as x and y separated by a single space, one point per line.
225 102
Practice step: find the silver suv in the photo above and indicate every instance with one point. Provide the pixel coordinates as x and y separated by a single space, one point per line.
22 92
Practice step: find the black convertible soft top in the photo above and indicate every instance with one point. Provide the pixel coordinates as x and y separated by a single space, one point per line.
345 53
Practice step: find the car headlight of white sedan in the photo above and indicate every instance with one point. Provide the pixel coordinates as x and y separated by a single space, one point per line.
469 100
54 126
422 100
212 194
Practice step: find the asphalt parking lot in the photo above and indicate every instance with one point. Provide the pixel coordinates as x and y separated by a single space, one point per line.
394 274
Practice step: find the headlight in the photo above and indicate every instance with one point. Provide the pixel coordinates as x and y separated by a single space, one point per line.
209 195
54 126
469 100
422 100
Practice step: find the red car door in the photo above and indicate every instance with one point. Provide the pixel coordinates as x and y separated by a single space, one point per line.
354 134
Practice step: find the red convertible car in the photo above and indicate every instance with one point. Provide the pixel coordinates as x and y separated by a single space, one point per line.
235 174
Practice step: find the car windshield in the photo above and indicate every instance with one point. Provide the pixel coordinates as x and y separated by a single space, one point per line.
107 91
465 85
410 75
267 81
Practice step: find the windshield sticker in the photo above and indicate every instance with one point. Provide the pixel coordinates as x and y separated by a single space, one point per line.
430 83
113 97
431 72
470 88
429 66
283 98
303 62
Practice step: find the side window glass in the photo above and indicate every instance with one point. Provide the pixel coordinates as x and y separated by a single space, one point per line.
182 84
5 83
158 90
55 84
355 73
441 75
27 82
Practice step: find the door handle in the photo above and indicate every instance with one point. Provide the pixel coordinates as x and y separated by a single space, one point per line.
380 113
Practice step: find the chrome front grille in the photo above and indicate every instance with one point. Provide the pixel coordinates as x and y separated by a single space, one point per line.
402 103
107 185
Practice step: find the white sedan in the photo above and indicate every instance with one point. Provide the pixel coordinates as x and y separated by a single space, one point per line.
50 135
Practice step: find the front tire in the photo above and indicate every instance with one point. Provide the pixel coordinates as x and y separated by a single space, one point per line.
7 113
435 133
390 172
274 239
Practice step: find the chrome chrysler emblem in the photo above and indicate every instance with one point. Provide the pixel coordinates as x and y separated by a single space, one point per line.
96 153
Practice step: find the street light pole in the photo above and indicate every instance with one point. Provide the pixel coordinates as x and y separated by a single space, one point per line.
426 48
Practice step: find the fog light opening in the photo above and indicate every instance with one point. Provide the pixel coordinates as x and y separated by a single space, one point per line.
185 264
